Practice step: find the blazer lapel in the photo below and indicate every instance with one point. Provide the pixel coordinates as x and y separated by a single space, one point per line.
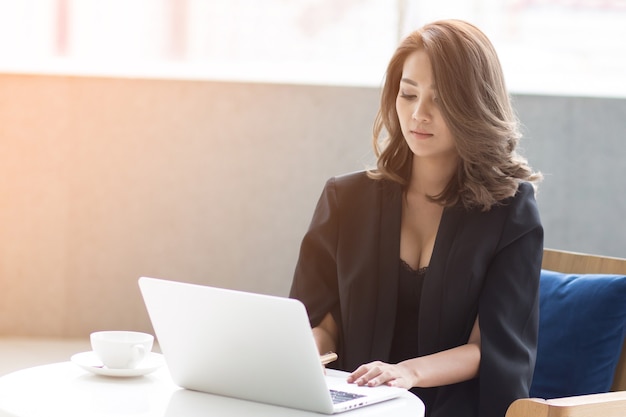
388 264
435 282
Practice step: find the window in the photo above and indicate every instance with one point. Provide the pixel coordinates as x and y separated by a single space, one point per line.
546 46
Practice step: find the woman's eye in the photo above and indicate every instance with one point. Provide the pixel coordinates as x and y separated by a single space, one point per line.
407 96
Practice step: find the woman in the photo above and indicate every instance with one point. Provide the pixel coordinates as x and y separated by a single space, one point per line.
423 273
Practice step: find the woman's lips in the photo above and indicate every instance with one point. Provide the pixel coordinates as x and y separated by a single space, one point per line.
421 135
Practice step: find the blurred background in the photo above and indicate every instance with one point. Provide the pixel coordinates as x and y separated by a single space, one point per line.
190 139
546 46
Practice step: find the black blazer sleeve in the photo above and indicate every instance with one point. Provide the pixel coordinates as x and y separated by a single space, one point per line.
315 277
348 265
509 308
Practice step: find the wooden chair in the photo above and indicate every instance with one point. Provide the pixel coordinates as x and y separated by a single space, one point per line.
611 404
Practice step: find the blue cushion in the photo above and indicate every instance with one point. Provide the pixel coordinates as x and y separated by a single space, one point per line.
582 325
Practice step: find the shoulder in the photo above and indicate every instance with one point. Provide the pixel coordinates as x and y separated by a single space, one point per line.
523 203
360 182
353 179
525 190
520 214
507 220
357 192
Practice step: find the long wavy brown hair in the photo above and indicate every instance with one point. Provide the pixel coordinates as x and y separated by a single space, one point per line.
476 107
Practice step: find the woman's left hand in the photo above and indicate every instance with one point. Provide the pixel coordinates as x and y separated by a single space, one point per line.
380 373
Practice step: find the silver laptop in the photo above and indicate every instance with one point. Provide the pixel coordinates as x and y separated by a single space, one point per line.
249 346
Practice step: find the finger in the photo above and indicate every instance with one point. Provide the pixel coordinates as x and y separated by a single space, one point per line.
394 383
358 373
372 377
366 372
383 377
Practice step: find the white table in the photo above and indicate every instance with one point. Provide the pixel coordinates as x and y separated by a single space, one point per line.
64 389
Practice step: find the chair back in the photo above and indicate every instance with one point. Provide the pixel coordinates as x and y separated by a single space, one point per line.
580 263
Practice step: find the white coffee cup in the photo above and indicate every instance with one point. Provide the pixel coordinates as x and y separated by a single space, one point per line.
118 349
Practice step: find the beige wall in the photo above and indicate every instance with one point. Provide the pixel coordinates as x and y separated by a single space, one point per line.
104 180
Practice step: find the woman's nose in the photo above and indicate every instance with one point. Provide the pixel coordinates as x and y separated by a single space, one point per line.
421 112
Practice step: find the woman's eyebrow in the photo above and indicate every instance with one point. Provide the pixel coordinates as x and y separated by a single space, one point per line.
414 83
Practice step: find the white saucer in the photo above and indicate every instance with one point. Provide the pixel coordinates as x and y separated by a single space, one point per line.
90 362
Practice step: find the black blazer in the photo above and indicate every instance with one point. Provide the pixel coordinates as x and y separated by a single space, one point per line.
484 263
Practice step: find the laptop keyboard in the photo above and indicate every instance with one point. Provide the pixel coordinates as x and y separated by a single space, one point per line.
341 396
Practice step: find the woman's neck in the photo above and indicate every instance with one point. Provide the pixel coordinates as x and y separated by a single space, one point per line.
429 177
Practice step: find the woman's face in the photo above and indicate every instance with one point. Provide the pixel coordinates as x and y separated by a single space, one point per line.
422 123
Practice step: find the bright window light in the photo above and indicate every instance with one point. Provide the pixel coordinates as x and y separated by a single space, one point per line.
565 47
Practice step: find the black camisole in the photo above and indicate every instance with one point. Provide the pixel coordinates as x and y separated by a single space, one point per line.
404 344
